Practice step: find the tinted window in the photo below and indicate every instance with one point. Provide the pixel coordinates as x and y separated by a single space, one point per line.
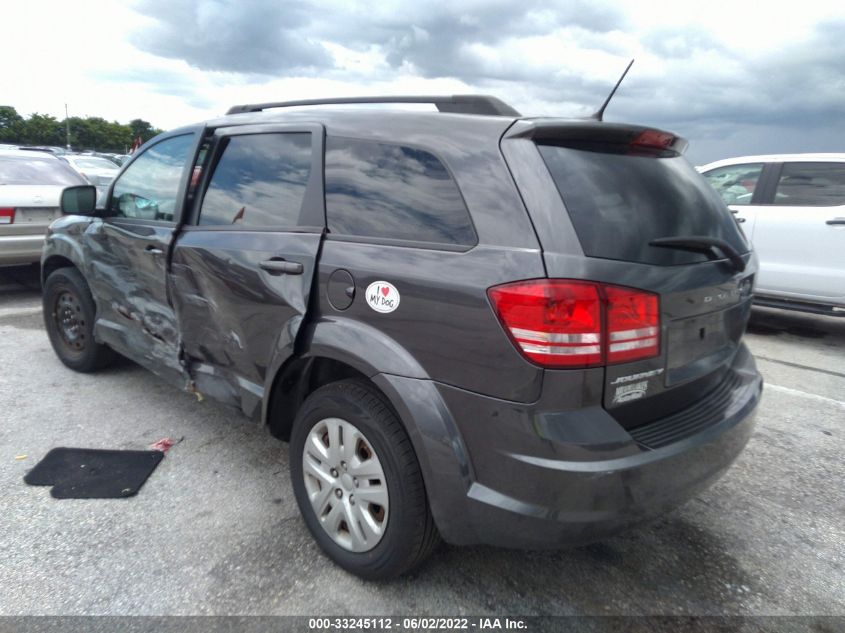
35 170
149 187
389 191
619 203
735 183
259 180
811 185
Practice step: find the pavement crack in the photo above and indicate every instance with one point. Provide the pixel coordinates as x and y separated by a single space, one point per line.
800 366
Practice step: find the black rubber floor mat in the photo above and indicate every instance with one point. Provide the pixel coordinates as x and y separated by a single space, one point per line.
87 473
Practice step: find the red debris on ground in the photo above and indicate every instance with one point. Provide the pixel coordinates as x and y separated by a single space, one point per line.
162 445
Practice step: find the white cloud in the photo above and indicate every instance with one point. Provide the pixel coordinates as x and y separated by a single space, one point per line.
719 72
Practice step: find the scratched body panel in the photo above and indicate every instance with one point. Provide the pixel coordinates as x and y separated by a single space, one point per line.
235 318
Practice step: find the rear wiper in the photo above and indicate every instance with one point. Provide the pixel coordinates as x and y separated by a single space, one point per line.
702 244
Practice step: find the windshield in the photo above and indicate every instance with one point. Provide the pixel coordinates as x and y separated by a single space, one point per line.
26 170
619 202
94 163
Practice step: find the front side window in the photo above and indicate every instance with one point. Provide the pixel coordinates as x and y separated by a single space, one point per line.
260 180
389 191
149 188
735 183
811 185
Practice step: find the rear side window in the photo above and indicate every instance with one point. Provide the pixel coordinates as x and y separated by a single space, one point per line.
260 180
378 190
620 202
811 185
735 183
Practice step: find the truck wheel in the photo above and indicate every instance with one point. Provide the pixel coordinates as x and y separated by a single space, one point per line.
358 482
69 314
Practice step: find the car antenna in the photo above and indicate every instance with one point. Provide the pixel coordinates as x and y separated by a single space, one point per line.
600 112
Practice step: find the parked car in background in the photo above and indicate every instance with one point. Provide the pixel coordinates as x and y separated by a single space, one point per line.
792 207
52 149
30 186
515 331
114 158
96 170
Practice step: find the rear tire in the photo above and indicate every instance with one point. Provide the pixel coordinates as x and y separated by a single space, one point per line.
69 314
408 534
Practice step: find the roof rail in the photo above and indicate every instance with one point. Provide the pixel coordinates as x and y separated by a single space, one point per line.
461 104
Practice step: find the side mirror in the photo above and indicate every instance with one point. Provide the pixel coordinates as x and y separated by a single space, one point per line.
79 200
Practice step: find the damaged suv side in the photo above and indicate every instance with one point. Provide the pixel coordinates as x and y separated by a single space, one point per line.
467 324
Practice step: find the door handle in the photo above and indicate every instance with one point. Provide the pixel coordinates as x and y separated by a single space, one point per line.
739 220
153 250
836 221
278 266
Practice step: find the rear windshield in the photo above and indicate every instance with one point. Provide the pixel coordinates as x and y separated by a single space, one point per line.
620 202
25 170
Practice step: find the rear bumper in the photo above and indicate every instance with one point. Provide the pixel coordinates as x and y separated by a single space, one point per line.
20 249
831 307
536 478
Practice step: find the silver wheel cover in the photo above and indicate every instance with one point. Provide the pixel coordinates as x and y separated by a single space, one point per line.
345 484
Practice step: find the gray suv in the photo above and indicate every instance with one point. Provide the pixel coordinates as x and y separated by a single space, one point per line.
469 325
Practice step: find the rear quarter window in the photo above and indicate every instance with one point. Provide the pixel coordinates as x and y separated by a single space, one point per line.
393 192
619 202
811 185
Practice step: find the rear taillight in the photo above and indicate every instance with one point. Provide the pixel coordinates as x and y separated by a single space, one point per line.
559 323
553 322
7 215
633 324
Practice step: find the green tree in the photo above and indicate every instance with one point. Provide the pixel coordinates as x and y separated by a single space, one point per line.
85 132
43 129
117 136
141 128
11 125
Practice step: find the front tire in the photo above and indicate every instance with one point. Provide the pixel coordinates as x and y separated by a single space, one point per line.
358 482
69 314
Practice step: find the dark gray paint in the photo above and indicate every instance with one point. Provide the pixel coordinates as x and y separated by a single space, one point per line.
444 328
236 319
510 454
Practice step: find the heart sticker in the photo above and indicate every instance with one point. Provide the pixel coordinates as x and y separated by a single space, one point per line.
382 297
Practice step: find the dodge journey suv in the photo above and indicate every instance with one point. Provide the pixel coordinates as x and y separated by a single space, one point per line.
468 325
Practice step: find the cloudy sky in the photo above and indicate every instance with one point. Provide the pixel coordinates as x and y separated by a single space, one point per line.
733 77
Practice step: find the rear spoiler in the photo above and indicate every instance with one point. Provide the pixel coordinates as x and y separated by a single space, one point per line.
585 132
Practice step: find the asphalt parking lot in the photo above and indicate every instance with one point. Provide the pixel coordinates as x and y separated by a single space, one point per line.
216 529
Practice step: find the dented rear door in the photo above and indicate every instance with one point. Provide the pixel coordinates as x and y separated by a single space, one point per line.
243 265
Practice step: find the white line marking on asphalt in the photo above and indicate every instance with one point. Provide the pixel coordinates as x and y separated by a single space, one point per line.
811 396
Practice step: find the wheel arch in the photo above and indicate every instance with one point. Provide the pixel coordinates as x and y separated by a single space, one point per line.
60 251
439 447
54 263
295 381
334 348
